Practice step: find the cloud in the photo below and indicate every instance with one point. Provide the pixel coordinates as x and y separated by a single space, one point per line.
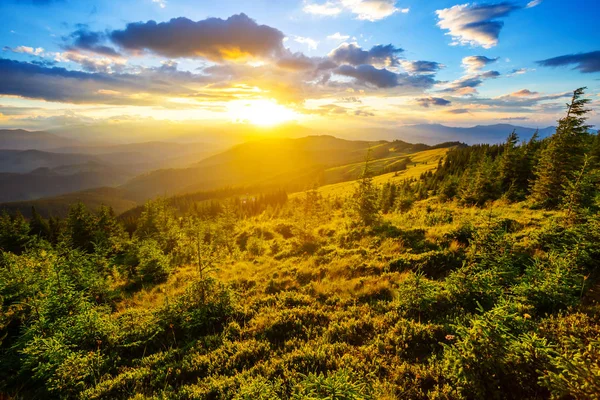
338 36
326 9
86 40
519 101
353 54
518 71
476 63
468 84
372 10
432 101
474 24
458 111
37 51
311 43
514 118
523 93
367 10
161 3
421 67
61 85
91 63
584 62
382 78
296 62
236 38
533 3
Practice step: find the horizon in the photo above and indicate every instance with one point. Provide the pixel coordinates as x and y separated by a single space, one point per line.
328 66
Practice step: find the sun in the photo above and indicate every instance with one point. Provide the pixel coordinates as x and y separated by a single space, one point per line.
261 112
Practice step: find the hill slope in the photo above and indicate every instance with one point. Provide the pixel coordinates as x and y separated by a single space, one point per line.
293 163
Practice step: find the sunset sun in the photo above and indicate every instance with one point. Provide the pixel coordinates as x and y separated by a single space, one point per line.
261 112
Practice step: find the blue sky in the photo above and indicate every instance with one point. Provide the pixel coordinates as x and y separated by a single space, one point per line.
348 61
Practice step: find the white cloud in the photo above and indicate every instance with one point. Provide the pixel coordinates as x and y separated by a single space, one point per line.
311 43
473 24
37 51
476 63
326 9
368 10
533 3
161 3
338 36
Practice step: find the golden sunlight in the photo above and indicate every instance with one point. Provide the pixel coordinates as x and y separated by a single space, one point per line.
261 112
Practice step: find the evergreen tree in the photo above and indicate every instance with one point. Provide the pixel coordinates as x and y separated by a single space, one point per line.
38 226
365 196
509 167
563 157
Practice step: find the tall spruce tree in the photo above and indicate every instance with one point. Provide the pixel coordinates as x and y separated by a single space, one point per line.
509 167
563 157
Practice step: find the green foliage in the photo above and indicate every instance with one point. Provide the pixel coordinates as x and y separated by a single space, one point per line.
563 156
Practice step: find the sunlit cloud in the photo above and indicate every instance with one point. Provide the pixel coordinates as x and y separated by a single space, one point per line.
368 10
476 63
475 24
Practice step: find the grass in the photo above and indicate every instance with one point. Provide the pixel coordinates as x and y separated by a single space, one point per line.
422 162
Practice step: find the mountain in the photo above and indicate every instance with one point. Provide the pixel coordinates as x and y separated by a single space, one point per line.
292 163
58 206
44 182
22 161
435 133
20 139
153 155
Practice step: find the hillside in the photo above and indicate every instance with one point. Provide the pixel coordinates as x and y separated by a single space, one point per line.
293 163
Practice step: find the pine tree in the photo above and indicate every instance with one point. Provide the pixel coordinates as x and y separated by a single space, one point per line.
365 196
509 167
563 157
38 226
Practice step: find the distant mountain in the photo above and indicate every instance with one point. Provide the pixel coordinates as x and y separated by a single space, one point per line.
19 139
154 154
435 133
22 161
44 182
58 206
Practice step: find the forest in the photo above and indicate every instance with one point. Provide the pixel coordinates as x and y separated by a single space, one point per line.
474 279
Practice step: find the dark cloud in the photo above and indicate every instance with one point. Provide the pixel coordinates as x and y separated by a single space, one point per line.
475 24
367 74
584 62
432 101
296 61
514 118
382 78
61 85
84 39
421 67
237 37
353 54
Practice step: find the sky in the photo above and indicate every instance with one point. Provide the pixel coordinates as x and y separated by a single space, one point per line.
329 64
